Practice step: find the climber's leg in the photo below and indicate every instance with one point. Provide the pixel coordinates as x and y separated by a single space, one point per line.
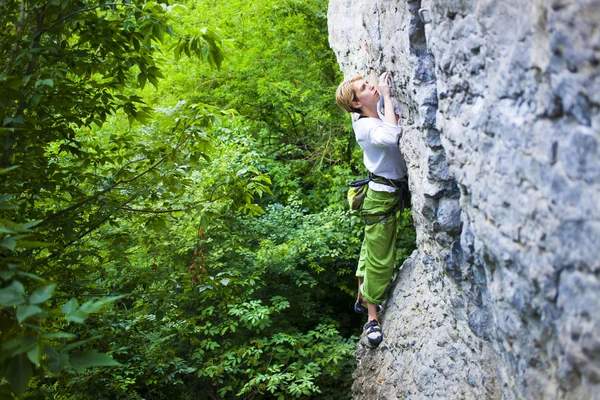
359 297
372 312
379 245
360 274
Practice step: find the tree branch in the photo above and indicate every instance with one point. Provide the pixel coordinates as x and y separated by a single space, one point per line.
19 32
114 185
145 210
92 228
85 9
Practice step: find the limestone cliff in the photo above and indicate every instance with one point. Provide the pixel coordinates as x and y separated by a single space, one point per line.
500 101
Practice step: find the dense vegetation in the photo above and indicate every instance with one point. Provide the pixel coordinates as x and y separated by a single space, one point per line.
172 215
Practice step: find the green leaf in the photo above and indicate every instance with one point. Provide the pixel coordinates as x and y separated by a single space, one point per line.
142 79
32 244
59 335
153 80
71 306
24 312
12 295
31 224
56 360
91 358
45 82
31 276
35 99
77 316
18 373
9 242
4 205
93 306
17 346
74 345
5 170
6 275
34 355
73 312
42 294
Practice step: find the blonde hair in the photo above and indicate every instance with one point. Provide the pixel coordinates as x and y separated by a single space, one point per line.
345 95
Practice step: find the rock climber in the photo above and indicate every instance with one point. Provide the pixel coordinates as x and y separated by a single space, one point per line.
378 136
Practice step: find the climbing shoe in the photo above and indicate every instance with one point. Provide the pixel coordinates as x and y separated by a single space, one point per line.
374 334
359 308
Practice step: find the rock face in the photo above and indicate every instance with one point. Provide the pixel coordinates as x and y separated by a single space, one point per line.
500 101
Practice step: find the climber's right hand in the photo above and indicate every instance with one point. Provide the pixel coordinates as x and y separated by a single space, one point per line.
384 87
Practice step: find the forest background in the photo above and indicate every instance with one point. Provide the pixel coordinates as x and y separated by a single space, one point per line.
173 220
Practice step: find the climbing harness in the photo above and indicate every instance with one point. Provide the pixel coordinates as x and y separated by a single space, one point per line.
358 191
401 185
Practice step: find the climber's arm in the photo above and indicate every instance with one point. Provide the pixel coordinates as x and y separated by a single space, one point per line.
385 135
390 116
388 133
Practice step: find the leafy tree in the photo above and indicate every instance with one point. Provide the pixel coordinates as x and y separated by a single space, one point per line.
282 80
235 299
65 66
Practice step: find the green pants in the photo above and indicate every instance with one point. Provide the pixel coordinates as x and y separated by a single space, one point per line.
378 251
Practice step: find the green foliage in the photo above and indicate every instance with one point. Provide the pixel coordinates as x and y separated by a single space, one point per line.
65 66
25 349
282 80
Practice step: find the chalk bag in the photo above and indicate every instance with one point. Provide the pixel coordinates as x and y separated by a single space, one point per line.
356 193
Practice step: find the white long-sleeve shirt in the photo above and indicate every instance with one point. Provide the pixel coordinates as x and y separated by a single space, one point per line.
379 142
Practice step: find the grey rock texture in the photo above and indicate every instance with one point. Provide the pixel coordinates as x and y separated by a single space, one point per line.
500 102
